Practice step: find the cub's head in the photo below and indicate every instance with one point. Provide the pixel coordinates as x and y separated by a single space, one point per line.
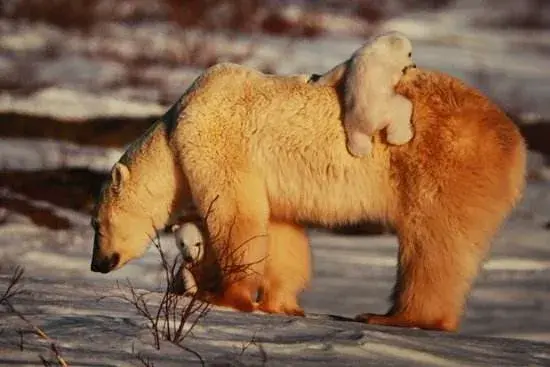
391 50
200 270
123 228
190 241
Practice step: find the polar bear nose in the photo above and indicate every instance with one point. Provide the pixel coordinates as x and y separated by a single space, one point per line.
105 264
406 68
188 259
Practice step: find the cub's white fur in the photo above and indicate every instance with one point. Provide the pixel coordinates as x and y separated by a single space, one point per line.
370 103
190 241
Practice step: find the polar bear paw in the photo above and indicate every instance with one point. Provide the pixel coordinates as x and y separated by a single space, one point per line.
359 144
400 135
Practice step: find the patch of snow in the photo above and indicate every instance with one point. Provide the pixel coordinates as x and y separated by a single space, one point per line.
17 38
359 269
43 154
79 71
72 104
77 314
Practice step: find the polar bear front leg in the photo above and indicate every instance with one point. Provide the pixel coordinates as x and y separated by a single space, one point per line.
184 282
238 229
359 144
190 285
287 271
399 130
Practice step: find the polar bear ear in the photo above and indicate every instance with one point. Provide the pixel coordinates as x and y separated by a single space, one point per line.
400 43
119 175
395 39
331 77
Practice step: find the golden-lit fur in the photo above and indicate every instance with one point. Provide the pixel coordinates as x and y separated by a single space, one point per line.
287 269
370 103
261 148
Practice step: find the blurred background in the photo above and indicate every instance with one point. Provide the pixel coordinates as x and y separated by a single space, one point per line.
80 79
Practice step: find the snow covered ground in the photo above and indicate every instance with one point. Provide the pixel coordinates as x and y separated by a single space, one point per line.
108 332
507 322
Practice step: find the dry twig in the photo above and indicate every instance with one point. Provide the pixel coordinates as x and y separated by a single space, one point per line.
14 288
174 317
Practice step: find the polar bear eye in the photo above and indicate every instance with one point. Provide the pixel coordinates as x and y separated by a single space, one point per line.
410 54
197 244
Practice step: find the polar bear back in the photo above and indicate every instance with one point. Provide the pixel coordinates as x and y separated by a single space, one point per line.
290 135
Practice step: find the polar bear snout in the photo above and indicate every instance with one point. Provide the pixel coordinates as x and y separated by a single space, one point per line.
186 254
191 252
104 264
406 68
190 241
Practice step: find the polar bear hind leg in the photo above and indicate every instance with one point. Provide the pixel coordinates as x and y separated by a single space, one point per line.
237 216
439 257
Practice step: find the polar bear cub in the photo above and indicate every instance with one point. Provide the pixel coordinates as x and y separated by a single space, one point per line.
287 267
190 241
370 103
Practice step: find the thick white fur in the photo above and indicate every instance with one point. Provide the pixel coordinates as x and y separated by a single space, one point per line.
190 241
370 103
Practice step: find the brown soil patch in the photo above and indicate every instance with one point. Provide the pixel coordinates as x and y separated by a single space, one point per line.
105 132
537 136
74 189
43 217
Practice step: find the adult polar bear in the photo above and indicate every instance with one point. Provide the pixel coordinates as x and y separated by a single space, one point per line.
273 149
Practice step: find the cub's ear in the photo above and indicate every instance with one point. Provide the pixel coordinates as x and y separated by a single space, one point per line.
332 77
119 175
398 41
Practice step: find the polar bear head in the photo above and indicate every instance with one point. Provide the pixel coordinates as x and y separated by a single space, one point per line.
120 224
190 241
380 61
390 53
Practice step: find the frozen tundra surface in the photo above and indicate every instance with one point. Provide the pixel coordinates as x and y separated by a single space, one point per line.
91 328
507 322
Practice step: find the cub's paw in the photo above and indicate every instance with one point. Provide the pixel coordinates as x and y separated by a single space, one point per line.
359 144
400 136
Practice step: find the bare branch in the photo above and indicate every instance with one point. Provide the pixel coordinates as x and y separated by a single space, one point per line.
167 320
14 287
145 361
